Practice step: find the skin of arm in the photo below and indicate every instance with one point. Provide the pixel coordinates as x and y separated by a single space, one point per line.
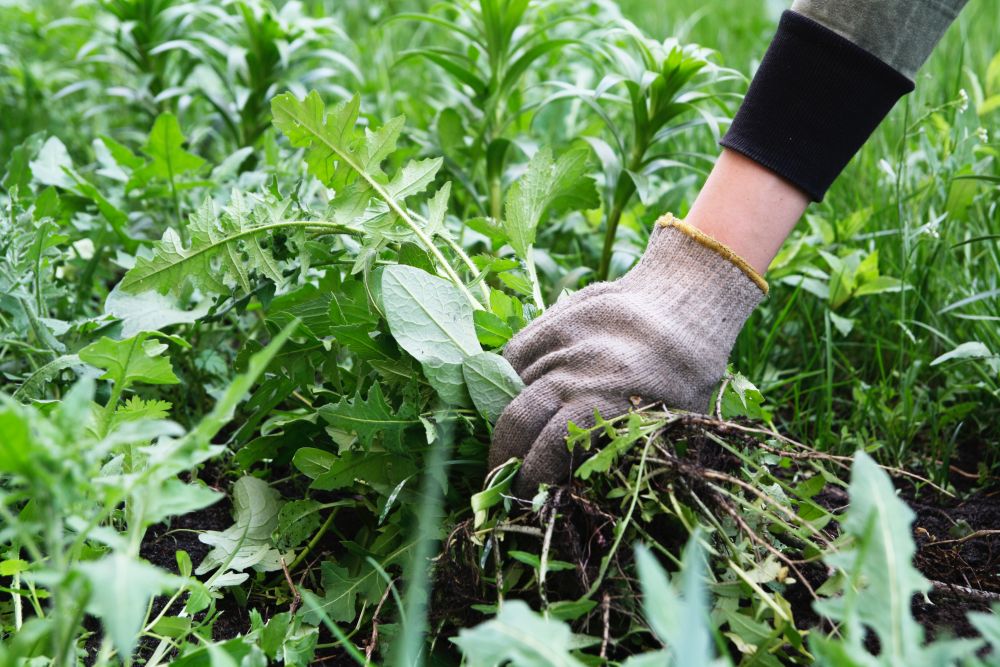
751 209
748 208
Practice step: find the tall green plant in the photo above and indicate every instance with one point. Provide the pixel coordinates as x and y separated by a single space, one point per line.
669 89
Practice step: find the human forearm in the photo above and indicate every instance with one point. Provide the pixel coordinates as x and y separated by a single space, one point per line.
832 73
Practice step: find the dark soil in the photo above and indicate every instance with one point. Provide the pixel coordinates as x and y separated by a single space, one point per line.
956 552
956 548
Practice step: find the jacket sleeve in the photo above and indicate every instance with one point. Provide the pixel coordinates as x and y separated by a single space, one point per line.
900 33
833 71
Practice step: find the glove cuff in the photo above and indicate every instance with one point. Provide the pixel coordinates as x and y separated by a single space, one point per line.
668 220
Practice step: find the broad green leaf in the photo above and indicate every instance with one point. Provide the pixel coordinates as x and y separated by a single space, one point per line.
432 320
176 498
54 167
299 648
19 165
125 362
371 417
518 636
15 438
448 381
173 626
232 653
273 634
546 185
427 315
247 543
51 165
165 148
492 383
297 521
313 462
149 311
120 590
491 330
255 508
880 285
9 568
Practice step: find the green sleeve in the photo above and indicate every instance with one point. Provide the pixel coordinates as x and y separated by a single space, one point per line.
902 33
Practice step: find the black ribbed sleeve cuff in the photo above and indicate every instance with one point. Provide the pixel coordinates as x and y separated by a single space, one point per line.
815 99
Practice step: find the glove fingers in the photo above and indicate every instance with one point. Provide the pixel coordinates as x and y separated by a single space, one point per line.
549 460
542 335
522 421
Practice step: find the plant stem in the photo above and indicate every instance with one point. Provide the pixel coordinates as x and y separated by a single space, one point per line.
623 192
314 541
536 290
16 586
464 256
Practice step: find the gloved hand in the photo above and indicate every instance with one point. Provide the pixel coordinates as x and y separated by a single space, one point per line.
662 332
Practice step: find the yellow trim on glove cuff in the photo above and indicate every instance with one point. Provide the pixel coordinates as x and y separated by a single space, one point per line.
668 220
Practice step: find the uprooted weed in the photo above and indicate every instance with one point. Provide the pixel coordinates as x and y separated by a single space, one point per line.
771 505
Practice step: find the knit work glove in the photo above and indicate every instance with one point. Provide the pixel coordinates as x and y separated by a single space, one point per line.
662 333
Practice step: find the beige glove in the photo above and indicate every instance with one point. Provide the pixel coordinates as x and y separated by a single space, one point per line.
662 332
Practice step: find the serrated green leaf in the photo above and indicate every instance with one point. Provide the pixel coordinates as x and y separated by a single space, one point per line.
546 185
519 636
414 177
126 362
677 613
881 578
370 417
341 592
377 469
224 250
331 138
137 409
165 148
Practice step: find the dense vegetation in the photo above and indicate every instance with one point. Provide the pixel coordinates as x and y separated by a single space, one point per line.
257 264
